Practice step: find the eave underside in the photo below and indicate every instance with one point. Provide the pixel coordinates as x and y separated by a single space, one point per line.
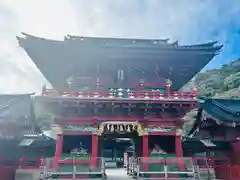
196 146
91 57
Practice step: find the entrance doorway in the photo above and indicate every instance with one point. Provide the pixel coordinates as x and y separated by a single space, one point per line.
113 146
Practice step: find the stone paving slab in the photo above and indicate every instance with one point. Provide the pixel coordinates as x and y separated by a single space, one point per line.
117 174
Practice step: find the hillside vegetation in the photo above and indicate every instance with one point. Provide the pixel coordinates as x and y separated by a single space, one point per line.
221 83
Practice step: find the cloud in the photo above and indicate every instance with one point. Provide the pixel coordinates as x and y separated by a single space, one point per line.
183 20
51 19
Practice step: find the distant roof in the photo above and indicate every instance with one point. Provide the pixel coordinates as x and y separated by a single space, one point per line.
16 115
39 140
58 60
222 111
28 140
14 106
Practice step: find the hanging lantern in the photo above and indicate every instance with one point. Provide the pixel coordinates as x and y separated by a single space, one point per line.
121 128
108 127
128 128
134 127
112 128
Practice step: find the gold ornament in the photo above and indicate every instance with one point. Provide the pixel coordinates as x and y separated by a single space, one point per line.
141 130
100 130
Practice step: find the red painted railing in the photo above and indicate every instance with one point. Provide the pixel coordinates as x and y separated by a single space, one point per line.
21 163
211 162
222 166
29 163
228 172
155 95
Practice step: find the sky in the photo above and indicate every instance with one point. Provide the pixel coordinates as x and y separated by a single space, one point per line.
188 21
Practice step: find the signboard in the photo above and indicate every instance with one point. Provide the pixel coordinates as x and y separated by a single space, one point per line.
79 128
161 129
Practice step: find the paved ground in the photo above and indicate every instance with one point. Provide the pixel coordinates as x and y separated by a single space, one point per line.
117 174
112 174
23 174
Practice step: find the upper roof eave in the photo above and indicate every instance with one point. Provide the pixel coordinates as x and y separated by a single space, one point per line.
209 45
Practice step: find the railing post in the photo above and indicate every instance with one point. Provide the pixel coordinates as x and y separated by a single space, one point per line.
103 167
44 90
20 162
42 164
130 165
165 171
74 168
138 173
195 93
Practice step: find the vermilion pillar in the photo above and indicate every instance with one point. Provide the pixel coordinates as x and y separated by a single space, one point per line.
145 146
178 144
145 151
94 154
58 150
179 151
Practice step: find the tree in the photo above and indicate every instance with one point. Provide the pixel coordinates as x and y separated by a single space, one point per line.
222 82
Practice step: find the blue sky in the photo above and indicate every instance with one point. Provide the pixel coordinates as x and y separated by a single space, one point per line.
188 21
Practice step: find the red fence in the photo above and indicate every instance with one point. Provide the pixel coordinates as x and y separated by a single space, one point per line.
223 167
228 172
212 162
21 163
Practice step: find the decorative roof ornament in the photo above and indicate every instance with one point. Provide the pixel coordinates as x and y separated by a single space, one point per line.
141 82
98 82
69 81
57 129
168 83
179 132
